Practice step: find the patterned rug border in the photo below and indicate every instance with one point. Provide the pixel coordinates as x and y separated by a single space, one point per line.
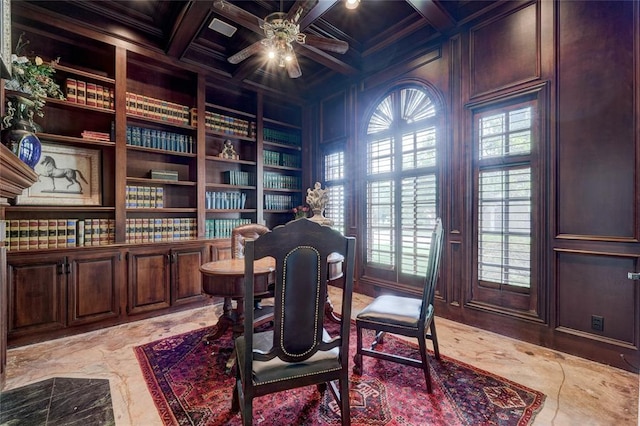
167 414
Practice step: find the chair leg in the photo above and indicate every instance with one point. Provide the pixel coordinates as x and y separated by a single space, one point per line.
235 399
247 412
425 361
434 339
357 358
345 409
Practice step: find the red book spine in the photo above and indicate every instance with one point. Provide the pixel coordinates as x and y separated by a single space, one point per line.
82 92
72 87
91 94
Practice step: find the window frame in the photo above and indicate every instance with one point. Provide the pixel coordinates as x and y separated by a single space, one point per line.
392 273
511 298
327 151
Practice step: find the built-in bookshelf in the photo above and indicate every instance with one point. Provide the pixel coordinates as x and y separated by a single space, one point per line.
231 166
161 151
74 125
282 169
181 160
142 117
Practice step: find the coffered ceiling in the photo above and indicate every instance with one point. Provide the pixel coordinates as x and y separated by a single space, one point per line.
380 33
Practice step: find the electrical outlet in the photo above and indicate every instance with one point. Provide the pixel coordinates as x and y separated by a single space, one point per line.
597 323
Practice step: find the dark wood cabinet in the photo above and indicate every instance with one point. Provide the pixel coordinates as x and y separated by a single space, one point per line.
51 293
163 277
93 286
149 279
185 273
36 288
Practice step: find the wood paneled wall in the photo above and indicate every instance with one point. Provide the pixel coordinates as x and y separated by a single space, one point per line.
582 61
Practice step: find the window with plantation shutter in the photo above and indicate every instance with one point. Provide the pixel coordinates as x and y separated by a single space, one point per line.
505 141
334 181
401 181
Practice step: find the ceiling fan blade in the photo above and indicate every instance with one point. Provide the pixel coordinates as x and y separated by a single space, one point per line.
329 44
239 16
293 68
245 53
299 9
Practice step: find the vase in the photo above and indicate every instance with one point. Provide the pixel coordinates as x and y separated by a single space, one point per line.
19 130
318 217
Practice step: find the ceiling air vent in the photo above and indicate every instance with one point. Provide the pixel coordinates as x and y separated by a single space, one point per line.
222 27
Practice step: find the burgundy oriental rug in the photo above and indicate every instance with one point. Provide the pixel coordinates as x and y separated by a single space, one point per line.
189 384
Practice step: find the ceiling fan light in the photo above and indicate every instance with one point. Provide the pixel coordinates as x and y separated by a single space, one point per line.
351 4
271 54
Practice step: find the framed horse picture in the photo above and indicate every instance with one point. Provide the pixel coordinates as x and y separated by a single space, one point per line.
67 176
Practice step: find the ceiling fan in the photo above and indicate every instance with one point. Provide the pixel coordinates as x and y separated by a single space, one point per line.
281 31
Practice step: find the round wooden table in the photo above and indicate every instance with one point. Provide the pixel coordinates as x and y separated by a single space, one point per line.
225 278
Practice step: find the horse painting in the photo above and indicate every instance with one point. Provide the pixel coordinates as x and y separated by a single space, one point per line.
51 171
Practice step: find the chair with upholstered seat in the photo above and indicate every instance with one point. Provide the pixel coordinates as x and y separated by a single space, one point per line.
238 236
304 348
243 232
406 316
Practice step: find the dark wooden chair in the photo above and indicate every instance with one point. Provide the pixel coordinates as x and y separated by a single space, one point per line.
238 236
298 351
243 232
406 316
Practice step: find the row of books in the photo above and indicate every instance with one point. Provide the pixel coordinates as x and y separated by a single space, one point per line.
91 94
278 181
221 228
281 136
238 177
96 136
32 234
225 124
144 197
157 109
274 158
279 202
159 139
225 200
148 230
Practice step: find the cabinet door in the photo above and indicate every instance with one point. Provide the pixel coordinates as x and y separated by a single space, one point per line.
36 294
185 273
93 287
149 285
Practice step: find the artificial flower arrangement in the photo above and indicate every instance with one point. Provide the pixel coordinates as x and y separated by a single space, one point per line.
301 211
33 76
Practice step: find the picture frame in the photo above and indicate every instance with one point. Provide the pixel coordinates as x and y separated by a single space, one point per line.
67 176
5 39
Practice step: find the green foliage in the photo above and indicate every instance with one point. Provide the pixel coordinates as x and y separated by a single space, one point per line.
33 76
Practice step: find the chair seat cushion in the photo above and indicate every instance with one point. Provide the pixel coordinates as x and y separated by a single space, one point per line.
277 370
394 310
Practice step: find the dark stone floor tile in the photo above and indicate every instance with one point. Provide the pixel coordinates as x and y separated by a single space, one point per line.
58 402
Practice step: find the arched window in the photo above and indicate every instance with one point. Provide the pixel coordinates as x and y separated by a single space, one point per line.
401 183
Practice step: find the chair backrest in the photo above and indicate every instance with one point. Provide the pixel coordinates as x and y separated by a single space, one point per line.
243 232
301 249
433 267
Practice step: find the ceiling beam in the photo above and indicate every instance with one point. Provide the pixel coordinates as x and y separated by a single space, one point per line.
320 8
431 11
326 59
191 20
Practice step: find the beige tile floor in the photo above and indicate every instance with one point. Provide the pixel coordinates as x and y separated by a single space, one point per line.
579 392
